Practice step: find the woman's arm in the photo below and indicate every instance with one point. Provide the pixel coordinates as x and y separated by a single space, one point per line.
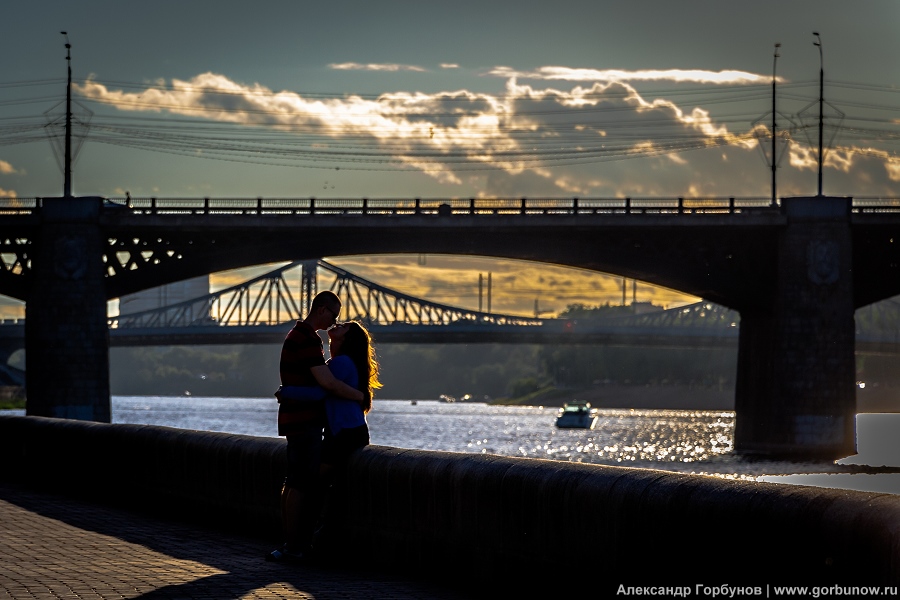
335 386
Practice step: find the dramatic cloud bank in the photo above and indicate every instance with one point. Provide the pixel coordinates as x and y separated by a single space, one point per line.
526 140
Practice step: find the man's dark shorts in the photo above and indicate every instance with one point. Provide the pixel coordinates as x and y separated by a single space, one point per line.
304 449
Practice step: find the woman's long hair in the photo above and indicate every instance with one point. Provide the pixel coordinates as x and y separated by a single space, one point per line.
357 345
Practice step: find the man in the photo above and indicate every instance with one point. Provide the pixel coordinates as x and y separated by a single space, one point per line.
302 422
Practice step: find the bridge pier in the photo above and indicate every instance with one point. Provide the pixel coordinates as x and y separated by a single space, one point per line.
66 333
796 381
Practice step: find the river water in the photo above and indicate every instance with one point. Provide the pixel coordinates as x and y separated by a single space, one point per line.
684 441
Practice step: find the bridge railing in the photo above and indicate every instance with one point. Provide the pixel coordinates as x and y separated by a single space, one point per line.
445 206
18 206
875 204
392 206
412 206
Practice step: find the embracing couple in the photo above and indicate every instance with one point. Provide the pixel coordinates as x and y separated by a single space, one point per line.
322 410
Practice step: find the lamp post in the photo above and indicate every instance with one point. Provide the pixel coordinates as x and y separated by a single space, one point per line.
67 161
818 43
774 124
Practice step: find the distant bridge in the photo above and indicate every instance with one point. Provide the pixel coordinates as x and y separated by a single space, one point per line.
262 309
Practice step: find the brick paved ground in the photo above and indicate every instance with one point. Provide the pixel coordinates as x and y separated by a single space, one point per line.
55 547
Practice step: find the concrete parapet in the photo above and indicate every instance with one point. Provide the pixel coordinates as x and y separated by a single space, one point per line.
515 522
223 479
487 515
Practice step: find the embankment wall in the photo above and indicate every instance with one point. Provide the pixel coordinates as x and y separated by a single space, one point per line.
484 518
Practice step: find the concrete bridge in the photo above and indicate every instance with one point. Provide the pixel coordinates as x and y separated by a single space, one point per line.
795 272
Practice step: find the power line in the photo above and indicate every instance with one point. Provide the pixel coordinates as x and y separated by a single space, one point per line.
517 133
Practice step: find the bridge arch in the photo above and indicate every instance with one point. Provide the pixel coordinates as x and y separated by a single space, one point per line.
665 257
705 247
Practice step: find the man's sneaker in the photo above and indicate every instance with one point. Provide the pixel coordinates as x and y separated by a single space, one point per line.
283 555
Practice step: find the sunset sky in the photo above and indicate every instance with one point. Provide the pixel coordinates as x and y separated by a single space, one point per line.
462 99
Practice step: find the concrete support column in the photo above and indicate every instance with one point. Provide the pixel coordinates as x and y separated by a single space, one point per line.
796 382
66 335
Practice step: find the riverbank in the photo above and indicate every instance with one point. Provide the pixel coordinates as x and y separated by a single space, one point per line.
12 397
871 399
681 397
12 405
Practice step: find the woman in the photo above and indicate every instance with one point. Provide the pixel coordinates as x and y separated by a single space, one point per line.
352 361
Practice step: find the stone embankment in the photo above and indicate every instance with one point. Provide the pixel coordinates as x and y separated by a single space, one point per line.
484 518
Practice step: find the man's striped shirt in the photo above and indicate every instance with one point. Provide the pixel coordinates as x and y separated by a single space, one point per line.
302 350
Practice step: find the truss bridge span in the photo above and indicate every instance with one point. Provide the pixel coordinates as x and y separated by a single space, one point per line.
260 310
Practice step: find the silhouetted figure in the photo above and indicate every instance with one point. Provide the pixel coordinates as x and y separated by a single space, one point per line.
302 423
352 361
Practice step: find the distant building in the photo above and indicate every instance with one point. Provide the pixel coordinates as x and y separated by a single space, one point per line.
641 308
165 295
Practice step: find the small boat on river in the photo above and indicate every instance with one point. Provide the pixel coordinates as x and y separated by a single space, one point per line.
577 415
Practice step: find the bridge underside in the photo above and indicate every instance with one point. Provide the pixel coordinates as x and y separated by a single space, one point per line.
731 266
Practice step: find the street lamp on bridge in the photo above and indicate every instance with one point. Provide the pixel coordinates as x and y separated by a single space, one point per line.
67 160
774 124
818 43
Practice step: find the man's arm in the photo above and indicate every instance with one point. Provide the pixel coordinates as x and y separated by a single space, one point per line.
299 393
332 384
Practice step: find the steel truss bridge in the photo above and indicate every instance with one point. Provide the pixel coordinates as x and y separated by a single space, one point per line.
261 309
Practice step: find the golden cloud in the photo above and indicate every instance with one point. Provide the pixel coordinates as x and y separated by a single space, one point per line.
673 75
516 286
352 66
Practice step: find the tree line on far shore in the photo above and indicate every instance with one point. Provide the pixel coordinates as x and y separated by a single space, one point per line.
485 372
